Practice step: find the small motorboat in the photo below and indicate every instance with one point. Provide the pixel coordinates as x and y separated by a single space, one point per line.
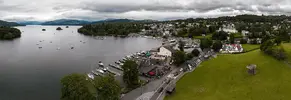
117 62
39 47
58 48
72 47
121 64
95 73
100 64
90 75
100 71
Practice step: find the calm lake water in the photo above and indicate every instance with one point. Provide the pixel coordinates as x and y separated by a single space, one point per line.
30 73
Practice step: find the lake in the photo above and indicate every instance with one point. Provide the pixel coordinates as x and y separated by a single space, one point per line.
28 72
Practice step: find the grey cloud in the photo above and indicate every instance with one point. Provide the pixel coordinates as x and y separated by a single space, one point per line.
156 9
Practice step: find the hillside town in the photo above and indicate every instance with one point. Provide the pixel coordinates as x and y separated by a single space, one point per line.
185 45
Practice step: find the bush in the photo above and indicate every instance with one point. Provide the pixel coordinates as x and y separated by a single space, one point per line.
279 53
269 48
217 45
195 52
243 41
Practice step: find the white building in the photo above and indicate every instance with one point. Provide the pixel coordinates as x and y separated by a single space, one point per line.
166 51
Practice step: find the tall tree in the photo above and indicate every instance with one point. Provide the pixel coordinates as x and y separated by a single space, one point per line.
181 45
217 45
205 43
231 38
75 87
130 74
179 57
195 52
107 88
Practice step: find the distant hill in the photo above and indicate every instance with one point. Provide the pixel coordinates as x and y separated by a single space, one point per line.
79 22
66 22
120 20
30 23
5 23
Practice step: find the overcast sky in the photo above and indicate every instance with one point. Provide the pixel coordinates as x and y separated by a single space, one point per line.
42 10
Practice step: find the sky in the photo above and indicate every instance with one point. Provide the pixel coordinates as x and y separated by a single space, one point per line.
44 10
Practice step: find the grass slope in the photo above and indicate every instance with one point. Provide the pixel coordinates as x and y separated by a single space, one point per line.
226 78
287 48
248 47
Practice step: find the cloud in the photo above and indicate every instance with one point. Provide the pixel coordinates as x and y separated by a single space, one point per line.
18 10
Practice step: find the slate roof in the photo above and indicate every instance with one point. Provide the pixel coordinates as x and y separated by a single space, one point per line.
169 48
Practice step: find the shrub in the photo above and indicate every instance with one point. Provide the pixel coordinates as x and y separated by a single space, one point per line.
243 41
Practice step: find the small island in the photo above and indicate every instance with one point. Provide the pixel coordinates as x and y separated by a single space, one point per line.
9 33
59 28
110 29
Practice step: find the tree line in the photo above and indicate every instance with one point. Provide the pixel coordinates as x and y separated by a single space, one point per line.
114 29
8 33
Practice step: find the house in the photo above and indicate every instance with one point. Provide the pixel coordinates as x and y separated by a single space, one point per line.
166 51
231 48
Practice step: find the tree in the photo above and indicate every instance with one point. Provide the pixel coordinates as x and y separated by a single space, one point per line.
179 57
195 52
107 88
278 40
231 38
130 74
181 45
243 41
212 29
205 43
182 32
75 87
267 44
217 45
221 35
8 33
189 56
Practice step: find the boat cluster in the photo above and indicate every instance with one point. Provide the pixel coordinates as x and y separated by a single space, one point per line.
58 48
101 70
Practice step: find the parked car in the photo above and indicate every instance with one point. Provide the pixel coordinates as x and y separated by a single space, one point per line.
161 89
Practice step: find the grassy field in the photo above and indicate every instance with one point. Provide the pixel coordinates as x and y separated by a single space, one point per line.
287 48
226 78
248 47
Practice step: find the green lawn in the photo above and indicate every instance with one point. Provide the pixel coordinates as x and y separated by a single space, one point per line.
209 36
237 35
287 48
248 47
226 78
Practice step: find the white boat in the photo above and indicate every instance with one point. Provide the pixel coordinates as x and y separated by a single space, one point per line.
121 64
90 75
105 69
100 71
100 64
117 62
95 73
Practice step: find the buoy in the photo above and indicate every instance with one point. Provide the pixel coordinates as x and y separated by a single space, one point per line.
58 48
51 42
